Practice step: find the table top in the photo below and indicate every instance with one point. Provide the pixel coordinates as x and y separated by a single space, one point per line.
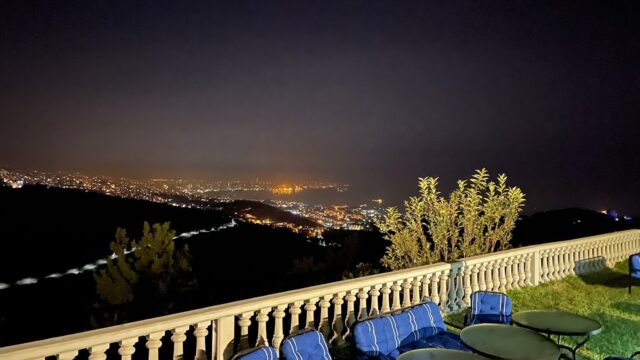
509 342
556 322
439 354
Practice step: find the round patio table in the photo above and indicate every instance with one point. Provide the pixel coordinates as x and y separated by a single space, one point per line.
509 342
556 322
439 354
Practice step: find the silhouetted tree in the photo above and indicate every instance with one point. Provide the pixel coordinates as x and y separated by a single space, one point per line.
150 266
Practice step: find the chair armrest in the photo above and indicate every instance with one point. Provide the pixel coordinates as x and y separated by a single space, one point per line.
635 354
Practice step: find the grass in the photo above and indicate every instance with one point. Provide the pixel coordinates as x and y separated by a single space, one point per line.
601 296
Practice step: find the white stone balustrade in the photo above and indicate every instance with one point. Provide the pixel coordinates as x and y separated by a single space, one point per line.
331 308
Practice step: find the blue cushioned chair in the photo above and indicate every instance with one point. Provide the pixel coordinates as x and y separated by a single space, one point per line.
489 307
634 268
389 335
623 358
305 345
257 353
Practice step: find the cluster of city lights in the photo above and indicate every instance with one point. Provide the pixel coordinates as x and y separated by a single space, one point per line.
207 194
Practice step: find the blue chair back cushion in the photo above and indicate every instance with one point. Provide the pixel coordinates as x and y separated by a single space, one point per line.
307 345
261 353
490 307
634 266
388 336
490 303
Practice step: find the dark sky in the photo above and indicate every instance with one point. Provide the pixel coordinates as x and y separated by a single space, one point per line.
374 93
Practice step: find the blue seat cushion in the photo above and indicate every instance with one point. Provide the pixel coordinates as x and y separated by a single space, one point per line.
308 345
443 340
635 274
384 335
261 353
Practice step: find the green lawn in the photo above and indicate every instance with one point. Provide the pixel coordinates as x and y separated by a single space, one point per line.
602 296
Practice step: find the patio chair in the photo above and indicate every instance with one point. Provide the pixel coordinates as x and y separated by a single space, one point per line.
489 307
386 336
305 345
634 269
623 358
257 353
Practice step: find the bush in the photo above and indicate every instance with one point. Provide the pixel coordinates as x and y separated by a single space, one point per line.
478 217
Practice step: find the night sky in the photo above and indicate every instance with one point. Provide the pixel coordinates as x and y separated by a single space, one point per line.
373 93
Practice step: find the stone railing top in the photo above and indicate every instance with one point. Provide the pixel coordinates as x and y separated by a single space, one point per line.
42 348
547 246
144 327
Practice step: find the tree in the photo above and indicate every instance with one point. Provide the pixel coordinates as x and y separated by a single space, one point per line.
478 217
153 268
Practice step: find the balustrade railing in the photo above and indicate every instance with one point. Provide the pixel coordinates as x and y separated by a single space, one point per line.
222 330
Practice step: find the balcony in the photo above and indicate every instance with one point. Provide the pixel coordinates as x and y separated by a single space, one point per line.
217 332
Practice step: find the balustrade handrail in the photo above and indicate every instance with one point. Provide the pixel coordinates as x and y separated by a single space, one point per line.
224 312
472 260
167 322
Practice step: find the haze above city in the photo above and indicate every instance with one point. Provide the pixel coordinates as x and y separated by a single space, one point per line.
373 94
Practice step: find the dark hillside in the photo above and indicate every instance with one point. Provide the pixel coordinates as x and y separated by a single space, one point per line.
45 230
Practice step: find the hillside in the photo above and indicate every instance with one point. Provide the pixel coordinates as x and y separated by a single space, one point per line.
263 211
45 230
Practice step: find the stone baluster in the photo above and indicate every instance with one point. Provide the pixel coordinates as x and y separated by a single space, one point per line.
278 326
338 326
544 274
509 273
415 297
502 270
534 268
591 255
597 252
406 292
325 322
68 355
214 335
310 307
127 348
244 322
435 297
561 264
468 284
580 256
460 289
482 277
425 287
294 312
496 275
489 275
262 317
154 341
375 294
386 290
571 256
444 298
553 264
475 278
395 288
363 295
514 264
178 337
522 268
97 352
351 314
567 261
